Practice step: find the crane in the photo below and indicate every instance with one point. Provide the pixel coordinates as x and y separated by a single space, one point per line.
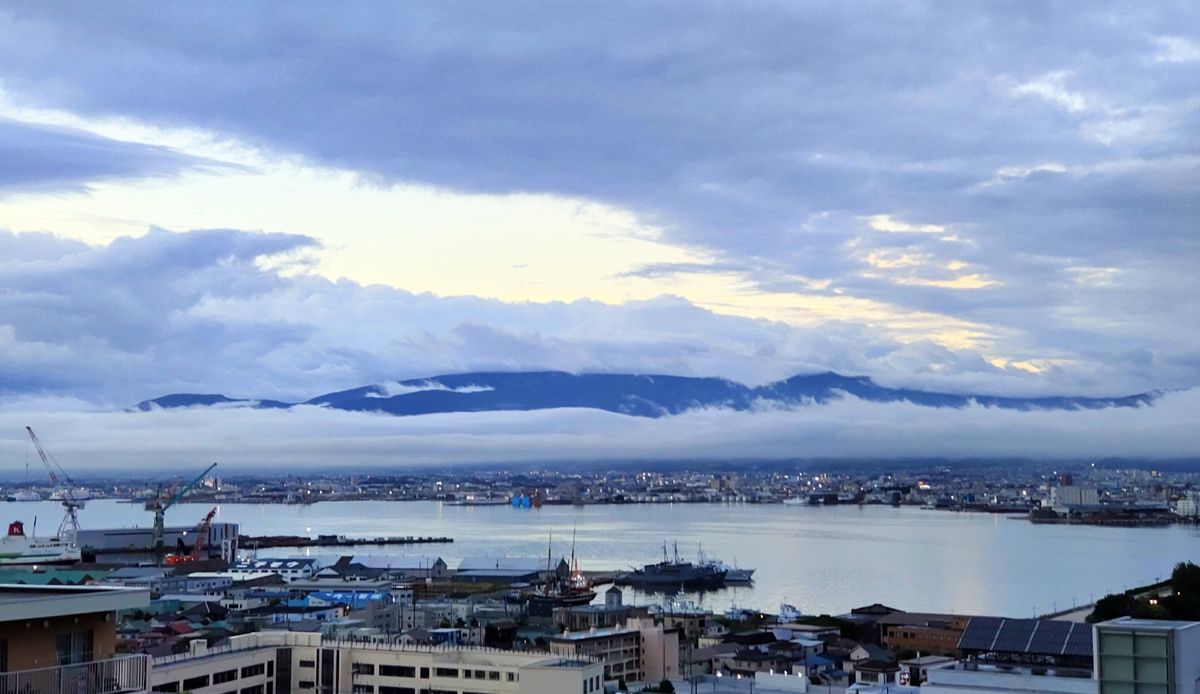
184 555
160 508
69 528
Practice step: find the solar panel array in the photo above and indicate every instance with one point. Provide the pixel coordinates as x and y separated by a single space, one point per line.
1026 637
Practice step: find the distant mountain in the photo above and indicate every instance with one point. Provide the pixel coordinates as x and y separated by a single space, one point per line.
640 396
167 402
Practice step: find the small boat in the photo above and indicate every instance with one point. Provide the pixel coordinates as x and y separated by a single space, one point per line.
788 613
795 501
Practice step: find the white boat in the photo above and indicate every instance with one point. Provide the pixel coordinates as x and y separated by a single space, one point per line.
17 548
795 501
788 613
25 495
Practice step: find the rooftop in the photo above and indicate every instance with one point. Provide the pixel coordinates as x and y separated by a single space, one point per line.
19 602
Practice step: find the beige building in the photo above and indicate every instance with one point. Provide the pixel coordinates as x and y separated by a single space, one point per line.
279 662
48 626
638 651
63 639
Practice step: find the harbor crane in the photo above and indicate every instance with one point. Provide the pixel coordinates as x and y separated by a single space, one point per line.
159 507
69 528
183 555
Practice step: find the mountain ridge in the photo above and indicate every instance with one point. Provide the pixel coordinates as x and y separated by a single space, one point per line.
640 395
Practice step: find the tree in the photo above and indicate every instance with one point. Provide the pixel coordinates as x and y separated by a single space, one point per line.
666 686
1112 606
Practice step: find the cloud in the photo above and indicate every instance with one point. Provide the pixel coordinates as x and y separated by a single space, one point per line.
1034 168
88 442
54 159
235 312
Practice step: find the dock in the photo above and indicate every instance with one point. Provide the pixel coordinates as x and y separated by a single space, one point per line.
270 541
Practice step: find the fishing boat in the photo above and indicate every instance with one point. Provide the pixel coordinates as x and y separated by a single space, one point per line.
19 549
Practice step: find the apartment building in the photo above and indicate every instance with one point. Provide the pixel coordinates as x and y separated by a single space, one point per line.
280 662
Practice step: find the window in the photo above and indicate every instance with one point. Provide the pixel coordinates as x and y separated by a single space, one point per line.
363 689
195 682
479 674
224 676
254 670
510 676
398 671
308 663
494 676
445 672
364 669
256 689
396 690
166 687
424 673
73 647
305 684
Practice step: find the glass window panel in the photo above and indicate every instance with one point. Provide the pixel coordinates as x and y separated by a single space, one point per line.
1117 688
1155 645
1152 689
1116 668
1152 670
1116 644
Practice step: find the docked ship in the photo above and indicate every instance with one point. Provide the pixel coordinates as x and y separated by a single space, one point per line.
576 590
733 574
670 574
19 549
25 495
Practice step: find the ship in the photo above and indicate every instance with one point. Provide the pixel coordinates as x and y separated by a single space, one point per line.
733 574
576 590
670 574
19 549
25 495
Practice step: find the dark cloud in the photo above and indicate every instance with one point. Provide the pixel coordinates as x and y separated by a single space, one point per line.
1054 143
52 159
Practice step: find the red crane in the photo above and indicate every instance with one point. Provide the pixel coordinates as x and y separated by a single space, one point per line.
198 546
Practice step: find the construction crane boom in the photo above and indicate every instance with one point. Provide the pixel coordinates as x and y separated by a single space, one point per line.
60 478
160 509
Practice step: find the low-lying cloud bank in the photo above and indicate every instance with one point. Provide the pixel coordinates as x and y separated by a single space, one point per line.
91 442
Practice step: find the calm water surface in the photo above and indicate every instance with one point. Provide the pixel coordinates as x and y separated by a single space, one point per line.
823 560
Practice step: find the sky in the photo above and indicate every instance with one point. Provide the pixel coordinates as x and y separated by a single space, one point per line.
285 199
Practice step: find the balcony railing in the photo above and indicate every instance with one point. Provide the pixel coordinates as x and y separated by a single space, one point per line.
119 675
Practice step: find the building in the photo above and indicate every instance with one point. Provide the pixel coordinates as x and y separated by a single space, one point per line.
638 650
222 540
507 569
277 662
618 648
371 567
289 568
1140 656
1064 498
53 637
612 613
922 632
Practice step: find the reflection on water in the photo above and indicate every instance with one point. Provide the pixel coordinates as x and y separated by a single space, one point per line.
819 559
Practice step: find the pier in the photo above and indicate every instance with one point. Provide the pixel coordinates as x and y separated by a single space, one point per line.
271 541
